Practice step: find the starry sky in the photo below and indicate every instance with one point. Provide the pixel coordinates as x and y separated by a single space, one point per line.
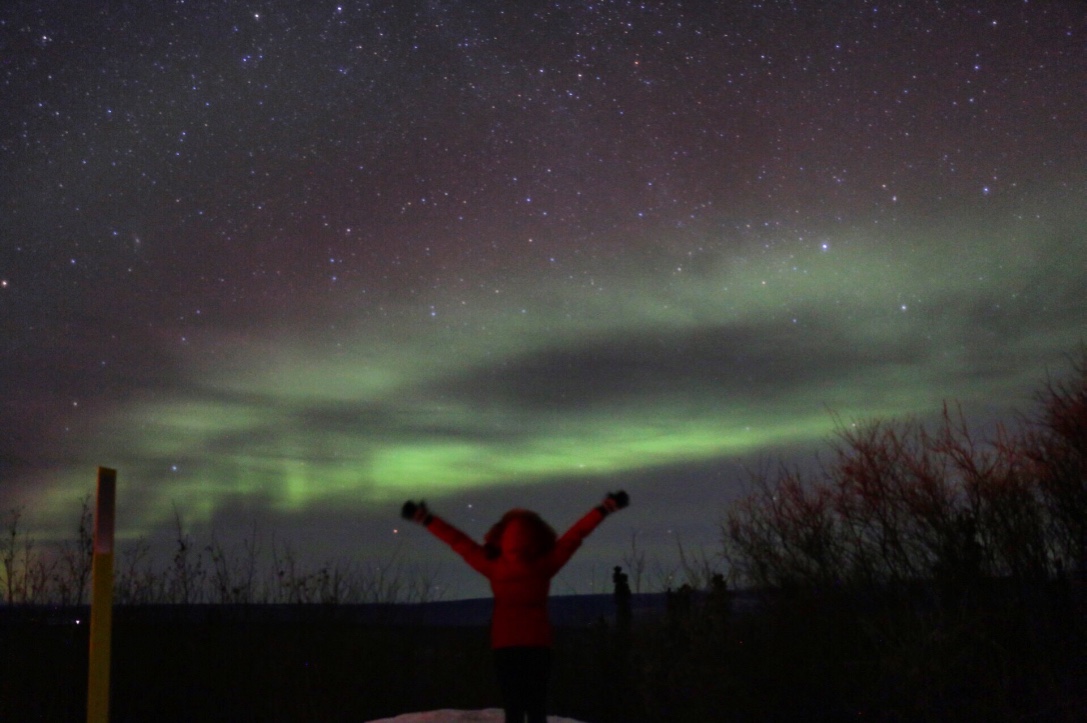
285 265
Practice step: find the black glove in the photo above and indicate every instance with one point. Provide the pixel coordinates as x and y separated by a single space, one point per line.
614 501
416 512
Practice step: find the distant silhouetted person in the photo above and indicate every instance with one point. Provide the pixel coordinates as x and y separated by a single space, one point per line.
519 556
719 600
622 599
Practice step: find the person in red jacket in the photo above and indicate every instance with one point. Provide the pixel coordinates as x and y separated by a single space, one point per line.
519 556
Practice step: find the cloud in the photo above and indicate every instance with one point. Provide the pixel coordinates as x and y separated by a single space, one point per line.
726 364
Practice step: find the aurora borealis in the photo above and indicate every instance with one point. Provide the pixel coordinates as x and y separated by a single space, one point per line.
294 263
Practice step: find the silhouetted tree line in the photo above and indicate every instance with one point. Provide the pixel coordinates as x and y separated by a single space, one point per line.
921 573
901 504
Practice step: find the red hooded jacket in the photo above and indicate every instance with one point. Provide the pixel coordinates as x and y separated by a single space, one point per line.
520 588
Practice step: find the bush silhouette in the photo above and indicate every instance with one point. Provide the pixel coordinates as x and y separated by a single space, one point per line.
953 567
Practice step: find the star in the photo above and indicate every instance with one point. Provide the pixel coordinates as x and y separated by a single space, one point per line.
339 258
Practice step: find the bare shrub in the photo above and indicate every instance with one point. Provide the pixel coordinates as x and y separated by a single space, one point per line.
137 580
634 561
33 574
14 573
75 562
901 503
1056 447
784 534
187 575
234 572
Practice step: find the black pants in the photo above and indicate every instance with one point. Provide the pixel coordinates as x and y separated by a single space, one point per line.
522 677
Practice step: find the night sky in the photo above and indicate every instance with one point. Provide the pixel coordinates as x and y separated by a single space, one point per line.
285 264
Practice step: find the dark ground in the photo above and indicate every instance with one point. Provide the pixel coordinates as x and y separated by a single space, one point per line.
309 664
793 659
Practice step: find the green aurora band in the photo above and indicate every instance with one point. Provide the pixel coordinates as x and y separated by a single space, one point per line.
638 359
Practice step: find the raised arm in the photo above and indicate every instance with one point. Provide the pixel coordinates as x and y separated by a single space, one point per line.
571 540
472 552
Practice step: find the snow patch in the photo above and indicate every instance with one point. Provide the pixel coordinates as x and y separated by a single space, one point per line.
490 715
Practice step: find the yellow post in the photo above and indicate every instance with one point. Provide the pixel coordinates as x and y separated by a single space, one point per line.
101 598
